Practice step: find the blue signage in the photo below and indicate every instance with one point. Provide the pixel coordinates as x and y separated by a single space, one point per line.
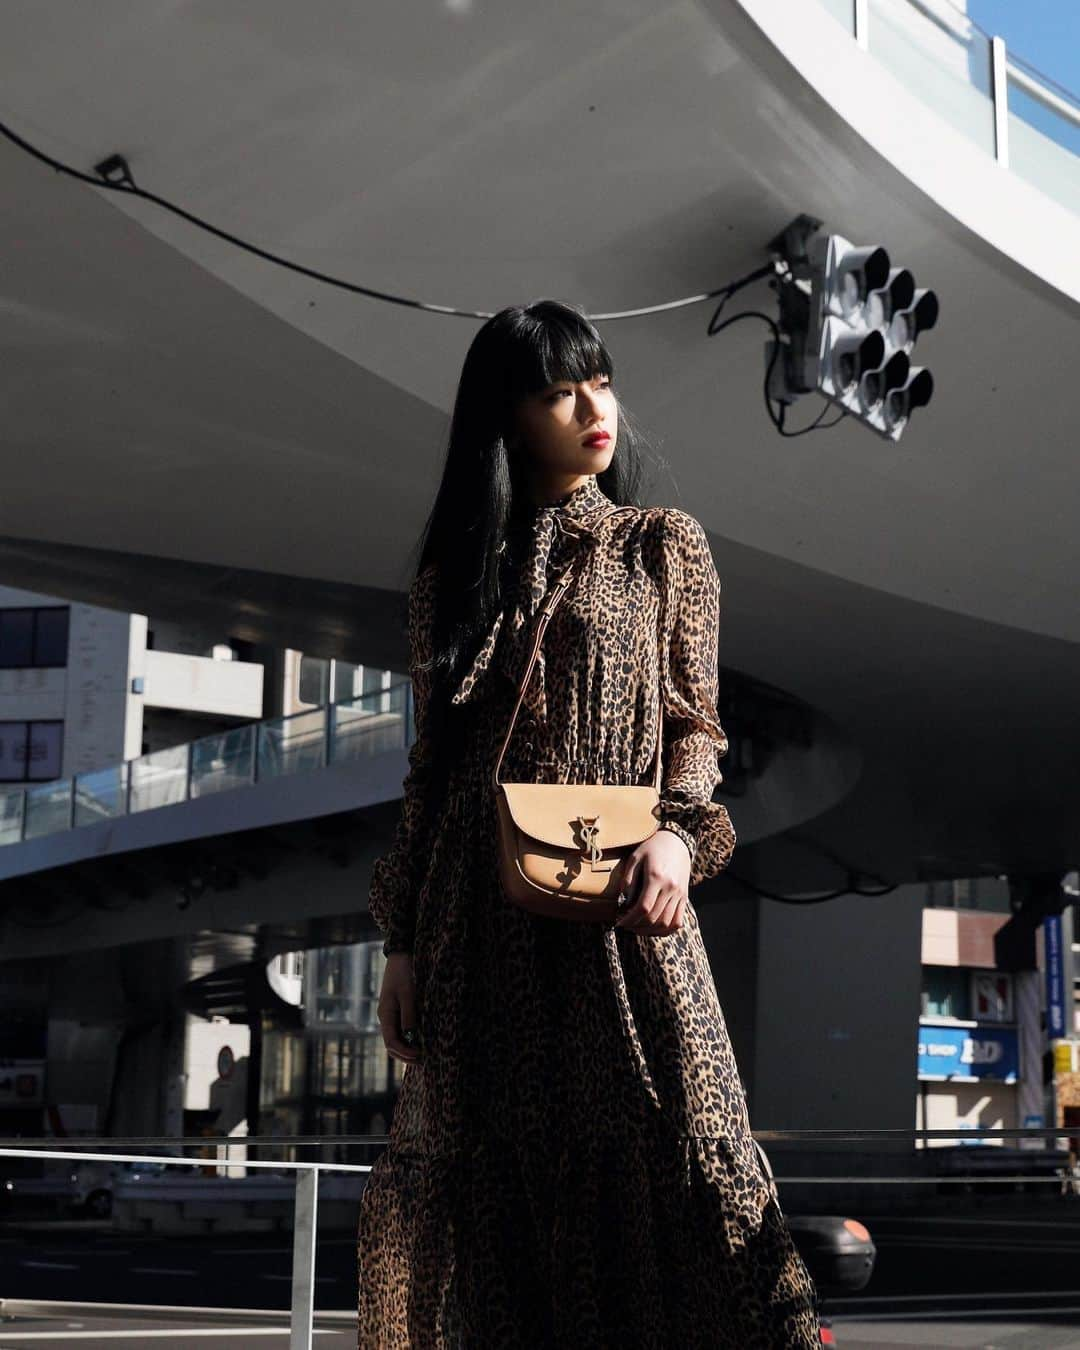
1055 977
966 1054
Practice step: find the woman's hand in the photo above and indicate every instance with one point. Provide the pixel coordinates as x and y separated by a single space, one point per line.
656 877
397 1007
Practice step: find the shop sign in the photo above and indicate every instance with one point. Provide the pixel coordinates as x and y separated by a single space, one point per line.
1055 976
968 1054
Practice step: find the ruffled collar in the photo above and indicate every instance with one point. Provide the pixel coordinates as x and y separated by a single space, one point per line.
580 502
574 519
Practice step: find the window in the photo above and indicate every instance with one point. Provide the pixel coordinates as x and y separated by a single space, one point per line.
17 637
51 637
946 992
314 680
989 893
30 752
347 677
331 681
34 636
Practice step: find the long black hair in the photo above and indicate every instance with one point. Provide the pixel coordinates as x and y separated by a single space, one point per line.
472 532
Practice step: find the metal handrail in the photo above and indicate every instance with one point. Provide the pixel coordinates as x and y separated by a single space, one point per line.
1048 92
763 1136
306 1193
1044 94
305 1217
957 24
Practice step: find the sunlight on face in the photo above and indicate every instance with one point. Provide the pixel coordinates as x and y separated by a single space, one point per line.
552 426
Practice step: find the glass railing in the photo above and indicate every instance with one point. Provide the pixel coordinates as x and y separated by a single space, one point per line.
1000 102
942 56
101 795
1044 123
278 747
48 808
843 11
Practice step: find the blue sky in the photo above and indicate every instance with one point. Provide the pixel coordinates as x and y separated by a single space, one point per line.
1046 33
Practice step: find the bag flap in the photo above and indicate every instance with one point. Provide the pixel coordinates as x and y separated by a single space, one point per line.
551 812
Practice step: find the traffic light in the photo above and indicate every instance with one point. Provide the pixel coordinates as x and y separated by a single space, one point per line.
849 320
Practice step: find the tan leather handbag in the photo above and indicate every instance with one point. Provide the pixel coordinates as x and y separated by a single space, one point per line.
561 844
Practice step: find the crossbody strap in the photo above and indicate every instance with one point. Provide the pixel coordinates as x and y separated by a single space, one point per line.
547 610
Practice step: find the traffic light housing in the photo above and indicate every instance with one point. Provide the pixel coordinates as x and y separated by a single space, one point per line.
849 321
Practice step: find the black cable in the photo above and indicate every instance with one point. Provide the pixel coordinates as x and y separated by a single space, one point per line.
778 421
807 899
125 183
852 875
817 422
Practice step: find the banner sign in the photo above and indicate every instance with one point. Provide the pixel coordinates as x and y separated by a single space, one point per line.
966 1054
1055 977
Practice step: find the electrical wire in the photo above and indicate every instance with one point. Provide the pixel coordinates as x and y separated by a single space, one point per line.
114 174
852 876
125 183
807 899
777 419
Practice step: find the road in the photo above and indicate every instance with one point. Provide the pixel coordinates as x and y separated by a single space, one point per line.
86 1262
1007 1280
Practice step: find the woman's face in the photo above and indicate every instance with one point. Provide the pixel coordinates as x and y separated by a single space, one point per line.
555 426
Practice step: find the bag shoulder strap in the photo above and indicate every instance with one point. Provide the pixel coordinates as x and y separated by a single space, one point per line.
546 611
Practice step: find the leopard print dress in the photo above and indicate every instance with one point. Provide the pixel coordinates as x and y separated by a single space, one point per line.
570 1162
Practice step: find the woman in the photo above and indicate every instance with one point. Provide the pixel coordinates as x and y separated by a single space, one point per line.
570 1162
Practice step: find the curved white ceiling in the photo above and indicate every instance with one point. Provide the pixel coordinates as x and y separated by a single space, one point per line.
165 392
169 393
167 396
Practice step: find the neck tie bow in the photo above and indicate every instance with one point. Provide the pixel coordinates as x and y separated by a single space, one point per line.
558 536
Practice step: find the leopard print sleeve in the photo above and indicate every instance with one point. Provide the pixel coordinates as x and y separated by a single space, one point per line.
694 740
396 875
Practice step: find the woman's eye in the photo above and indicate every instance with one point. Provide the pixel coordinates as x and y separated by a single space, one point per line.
559 392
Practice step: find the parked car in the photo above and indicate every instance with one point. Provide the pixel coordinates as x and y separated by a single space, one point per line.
80 1187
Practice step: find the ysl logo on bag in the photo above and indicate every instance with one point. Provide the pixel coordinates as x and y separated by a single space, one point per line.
590 831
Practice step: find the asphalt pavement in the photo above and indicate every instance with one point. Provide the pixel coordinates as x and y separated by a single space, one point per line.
1003 1277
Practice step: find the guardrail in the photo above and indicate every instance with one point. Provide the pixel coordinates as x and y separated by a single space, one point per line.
305 1213
224 761
1048 92
971 79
